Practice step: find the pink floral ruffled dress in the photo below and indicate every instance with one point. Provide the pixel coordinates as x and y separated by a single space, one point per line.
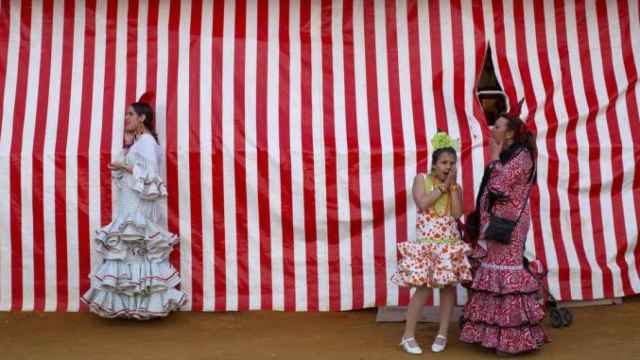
437 257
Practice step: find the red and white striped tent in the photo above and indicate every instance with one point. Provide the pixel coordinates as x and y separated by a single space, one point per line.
293 130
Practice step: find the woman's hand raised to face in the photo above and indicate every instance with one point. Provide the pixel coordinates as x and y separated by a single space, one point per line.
495 148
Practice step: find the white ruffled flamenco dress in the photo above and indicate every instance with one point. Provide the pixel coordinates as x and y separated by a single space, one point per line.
135 279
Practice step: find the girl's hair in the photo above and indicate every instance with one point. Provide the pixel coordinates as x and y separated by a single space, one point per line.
521 134
142 108
435 156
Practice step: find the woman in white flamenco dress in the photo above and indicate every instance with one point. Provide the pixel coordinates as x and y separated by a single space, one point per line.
135 279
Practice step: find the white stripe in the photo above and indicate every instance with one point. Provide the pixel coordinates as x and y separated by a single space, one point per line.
162 74
277 272
206 152
49 160
470 97
512 53
626 138
446 42
428 101
606 158
119 93
71 171
297 178
543 153
471 77
183 165
26 157
409 135
342 164
387 148
5 152
448 79
635 45
317 120
141 58
228 130
251 165
96 127
634 24
561 146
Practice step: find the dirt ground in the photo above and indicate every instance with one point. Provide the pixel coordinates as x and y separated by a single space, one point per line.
601 332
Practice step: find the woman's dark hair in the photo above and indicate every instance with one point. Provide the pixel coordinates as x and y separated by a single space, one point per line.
149 123
521 134
522 139
436 154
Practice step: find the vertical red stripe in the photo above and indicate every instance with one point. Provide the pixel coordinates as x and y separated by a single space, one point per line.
377 190
532 105
572 149
84 235
220 267
397 133
173 200
617 165
195 185
308 172
501 51
288 260
15 157
331 182
132 52
38 153
108 113
61 157
436 65
632 109
594 148
239 141
353 158
152 45
415 60
459 95
262 138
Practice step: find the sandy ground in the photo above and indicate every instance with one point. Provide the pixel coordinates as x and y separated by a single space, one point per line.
600 332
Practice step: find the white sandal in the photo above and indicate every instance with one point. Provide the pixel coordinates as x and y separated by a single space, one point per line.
408 348
439 344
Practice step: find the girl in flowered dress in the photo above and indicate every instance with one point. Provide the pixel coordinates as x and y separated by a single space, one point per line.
436 257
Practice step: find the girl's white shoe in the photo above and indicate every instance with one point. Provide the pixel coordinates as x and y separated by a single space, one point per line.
439 343
408 347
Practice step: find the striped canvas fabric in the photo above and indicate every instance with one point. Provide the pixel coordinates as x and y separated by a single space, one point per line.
293 130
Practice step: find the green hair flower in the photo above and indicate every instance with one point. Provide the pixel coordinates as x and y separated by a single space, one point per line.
442 140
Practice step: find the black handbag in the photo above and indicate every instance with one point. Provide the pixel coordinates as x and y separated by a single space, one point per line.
500 229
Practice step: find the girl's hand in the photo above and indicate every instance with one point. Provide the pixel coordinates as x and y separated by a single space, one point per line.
450 179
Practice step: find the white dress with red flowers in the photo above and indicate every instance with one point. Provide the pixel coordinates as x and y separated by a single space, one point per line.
437 257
